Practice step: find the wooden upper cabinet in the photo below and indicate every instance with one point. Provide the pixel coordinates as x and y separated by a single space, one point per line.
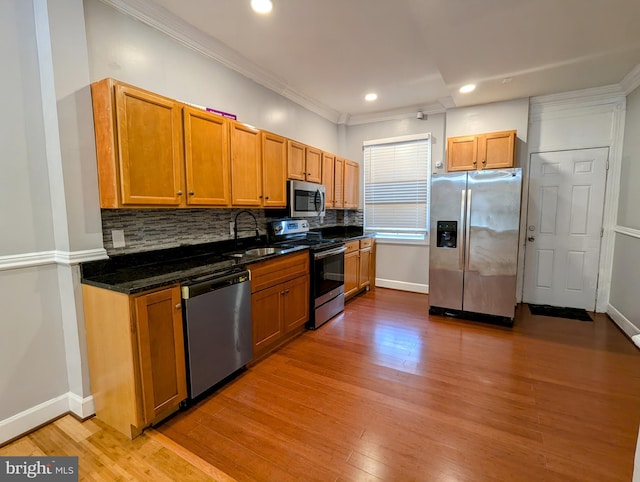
494 150
207 165
328 176
314 164
338 183
351 182
296 161
497 150
304 163
461 153
274 170
138 146
246 161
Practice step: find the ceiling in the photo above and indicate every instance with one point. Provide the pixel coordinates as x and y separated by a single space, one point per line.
415 54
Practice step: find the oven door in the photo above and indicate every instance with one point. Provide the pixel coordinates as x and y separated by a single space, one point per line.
328 275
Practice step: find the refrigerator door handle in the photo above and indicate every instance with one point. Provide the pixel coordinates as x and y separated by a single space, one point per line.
463 199
467 230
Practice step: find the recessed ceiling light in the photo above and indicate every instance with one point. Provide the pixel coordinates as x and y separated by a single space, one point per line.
370 97
465 89
261 6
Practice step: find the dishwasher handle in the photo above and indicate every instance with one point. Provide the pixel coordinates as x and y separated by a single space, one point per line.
213 283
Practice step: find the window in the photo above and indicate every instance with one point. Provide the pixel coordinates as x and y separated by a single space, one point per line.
396 187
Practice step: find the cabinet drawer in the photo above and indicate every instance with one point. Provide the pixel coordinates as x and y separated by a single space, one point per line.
366 243
278 270
352 246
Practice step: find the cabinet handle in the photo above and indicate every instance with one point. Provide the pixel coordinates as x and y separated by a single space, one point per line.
178 306
286 292
191 193
179 193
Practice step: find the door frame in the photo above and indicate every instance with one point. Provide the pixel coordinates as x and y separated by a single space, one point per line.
579 120
525 213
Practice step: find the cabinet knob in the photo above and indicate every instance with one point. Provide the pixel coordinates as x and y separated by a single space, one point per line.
191 193
260 196
286 292
267 197
474 163
179 193
178 306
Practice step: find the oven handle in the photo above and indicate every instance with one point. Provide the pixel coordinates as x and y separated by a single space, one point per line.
329 252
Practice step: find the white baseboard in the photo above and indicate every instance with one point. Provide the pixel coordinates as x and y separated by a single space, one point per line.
81 407
402 285
33 417
623 322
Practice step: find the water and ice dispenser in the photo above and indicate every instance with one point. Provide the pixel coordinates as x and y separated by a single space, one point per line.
447 234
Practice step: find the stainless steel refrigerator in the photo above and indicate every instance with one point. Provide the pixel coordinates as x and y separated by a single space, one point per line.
473 252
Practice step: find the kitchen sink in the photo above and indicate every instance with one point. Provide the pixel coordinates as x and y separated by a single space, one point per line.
260 251
254 252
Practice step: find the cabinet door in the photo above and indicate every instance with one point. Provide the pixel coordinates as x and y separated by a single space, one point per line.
314 164
206 149
149 138
274 170
496 150
461 153
351 185
266 312
328 170
295 303
338 191
246 160
296 161
364 278
163 377
351 271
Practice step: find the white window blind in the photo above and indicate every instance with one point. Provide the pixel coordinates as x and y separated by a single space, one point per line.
396 186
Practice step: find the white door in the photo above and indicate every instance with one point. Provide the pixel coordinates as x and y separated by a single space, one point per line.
564 222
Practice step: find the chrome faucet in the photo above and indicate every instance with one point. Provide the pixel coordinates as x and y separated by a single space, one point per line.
235 226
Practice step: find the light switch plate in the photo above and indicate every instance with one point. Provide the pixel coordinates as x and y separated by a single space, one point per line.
117 235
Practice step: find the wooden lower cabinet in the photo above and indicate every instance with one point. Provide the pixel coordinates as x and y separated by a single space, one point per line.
136 356
279 300
359 266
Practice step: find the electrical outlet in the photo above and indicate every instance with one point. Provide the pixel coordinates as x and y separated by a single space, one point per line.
231 233
117 236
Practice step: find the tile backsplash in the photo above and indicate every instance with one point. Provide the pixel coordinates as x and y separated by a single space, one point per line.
151 229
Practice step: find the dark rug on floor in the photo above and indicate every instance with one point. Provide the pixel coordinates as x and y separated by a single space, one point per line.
559 312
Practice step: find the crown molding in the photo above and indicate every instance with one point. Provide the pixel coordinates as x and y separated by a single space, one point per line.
609 94
396 114
631 81
164 21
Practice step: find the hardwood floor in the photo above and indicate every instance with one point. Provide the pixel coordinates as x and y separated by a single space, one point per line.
386 392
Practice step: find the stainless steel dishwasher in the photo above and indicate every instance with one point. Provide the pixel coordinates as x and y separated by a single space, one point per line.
218 329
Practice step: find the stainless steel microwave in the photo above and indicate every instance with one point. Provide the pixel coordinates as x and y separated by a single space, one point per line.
305 199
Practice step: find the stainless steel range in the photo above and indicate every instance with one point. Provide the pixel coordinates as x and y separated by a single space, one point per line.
327 267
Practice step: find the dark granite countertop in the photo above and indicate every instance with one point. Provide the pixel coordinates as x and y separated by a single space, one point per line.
137 272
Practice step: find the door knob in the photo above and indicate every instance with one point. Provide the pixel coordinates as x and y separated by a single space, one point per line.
531 239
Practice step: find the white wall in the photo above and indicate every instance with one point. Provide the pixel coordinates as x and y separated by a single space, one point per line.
32 354
624 305
132 52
